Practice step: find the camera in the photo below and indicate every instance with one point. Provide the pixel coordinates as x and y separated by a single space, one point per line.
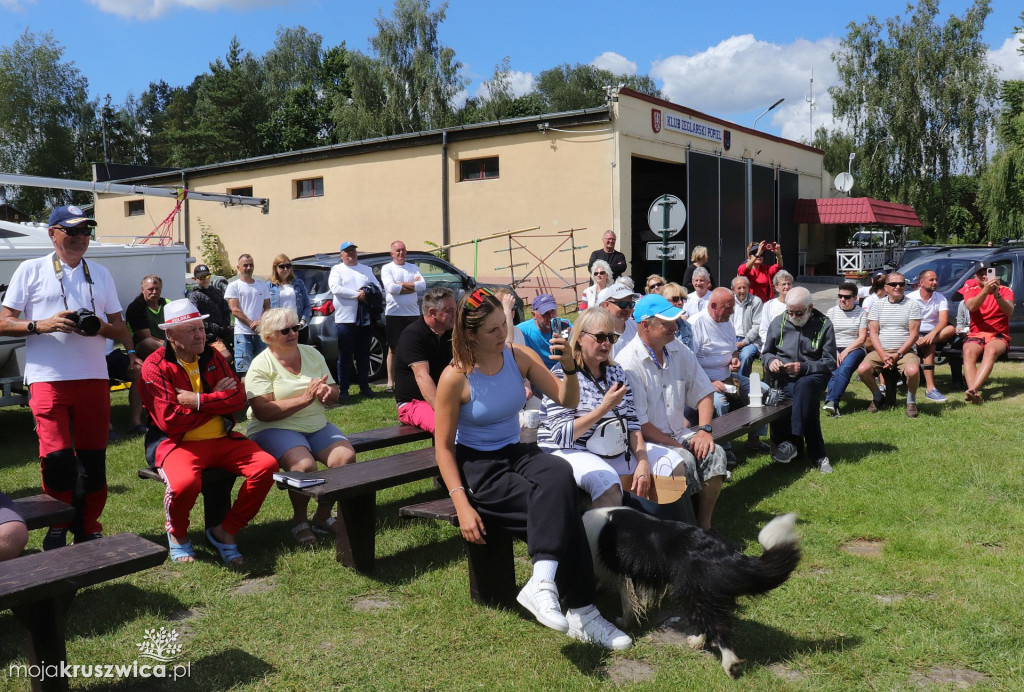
86 321
769 246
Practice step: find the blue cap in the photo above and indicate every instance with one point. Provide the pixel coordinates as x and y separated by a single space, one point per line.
545 302
69 217
346 245
655 305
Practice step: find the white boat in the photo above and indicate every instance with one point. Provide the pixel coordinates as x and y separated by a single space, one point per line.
127 264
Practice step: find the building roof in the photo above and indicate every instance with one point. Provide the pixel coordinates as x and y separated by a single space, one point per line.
854 210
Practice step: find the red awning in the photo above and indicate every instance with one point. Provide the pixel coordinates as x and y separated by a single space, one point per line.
854 210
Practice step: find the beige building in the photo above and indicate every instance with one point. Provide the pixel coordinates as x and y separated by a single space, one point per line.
570 176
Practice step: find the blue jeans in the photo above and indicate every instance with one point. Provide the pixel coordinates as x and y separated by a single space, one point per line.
353 340
804 421
247 347
842 375
747 355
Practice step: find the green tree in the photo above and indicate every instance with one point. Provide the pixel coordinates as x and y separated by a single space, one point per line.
838 146
572 87
1001 195
409 83
498 101
47 121
918 99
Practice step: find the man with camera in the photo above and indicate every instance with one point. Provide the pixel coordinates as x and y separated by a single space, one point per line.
66 307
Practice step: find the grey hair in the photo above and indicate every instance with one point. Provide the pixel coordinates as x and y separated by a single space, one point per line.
780 275
275 319
626 281
435 297
739 278
601 264
798 297
701 272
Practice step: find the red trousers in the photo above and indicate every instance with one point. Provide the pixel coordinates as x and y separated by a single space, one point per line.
182 470
72 422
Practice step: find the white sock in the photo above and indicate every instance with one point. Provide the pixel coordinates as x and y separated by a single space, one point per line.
545 569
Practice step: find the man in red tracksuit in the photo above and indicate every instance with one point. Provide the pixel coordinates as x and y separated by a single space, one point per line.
190 392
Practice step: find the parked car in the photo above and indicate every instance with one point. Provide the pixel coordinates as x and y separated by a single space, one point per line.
955 266
911 253
314 271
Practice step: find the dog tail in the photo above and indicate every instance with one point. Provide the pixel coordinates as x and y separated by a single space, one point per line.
752 575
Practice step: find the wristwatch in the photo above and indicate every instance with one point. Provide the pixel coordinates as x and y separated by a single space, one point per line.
31 327
705 428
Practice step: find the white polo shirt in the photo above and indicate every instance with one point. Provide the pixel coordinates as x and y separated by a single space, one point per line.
250 299
345 283
35 292
398 304
695 304
930 309
713 344
661 395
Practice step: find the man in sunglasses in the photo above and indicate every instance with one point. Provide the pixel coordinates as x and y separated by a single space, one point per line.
799 356
850 324
618 301
66 307
894 325
615 259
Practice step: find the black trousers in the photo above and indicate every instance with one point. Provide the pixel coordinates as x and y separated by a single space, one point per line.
528 493
804 421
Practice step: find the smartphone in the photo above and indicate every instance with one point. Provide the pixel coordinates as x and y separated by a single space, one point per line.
990 273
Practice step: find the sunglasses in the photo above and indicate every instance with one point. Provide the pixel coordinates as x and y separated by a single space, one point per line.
601 337
288 330
73 232
676 299
654 286
600 273
477 298
623 304
843 296
284 266
796 313
897 284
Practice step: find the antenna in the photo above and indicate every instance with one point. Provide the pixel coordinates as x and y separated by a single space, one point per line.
809 98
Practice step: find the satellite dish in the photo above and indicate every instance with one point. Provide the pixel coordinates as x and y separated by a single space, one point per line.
844 182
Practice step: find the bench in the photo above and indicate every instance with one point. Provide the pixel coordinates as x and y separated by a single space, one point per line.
43 511
39 588
492 577
217 483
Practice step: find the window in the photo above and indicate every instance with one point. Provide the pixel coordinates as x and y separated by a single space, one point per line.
241 191
136 207
312 187
479 169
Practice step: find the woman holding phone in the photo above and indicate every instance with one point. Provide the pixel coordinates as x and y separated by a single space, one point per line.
496 480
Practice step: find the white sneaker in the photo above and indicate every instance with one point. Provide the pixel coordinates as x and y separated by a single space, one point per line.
587 625
540 597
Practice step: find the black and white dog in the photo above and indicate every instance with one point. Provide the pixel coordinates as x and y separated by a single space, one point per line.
649 559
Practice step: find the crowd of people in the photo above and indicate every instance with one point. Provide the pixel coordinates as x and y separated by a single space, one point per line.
623 396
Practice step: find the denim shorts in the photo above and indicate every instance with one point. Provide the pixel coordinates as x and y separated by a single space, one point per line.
247 347
277 441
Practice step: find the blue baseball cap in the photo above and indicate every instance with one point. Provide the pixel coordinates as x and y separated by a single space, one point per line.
346 245
545 302
70 216
655 305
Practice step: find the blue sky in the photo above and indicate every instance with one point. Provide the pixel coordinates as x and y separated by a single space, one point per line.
730 58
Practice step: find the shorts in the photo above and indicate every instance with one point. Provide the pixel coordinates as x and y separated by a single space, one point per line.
394 325
7 511
983 338
247 347
418 413
277 441
874 359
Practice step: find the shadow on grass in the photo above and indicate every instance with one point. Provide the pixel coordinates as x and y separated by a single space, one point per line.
407 565
762 645
228 669
590 660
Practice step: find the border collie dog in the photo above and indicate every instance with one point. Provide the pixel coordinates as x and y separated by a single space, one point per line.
649 559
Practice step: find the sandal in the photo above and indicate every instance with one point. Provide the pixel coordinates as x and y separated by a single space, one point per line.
299 528
180 550
324 528
228 551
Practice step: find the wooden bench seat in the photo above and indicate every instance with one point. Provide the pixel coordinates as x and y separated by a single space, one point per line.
43 511
354 487
39 588
742 421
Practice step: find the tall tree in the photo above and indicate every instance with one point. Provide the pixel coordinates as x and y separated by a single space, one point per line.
498 101
571 87
47 121
1001 196
409 83
918 98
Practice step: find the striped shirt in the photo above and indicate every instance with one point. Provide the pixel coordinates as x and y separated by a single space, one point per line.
894 320
847 324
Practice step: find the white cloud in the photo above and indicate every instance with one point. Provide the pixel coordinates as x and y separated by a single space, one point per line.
1008 59
152 9
15 5
521 83
741 75
614 63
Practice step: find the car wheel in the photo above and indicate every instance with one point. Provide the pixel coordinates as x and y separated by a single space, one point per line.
378 357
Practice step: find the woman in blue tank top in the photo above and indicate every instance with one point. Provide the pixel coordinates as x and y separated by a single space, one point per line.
495 480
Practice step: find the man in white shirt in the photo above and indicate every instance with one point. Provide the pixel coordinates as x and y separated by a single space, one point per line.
66 308
894 325
403 285
665 378
618 301
746 320
935 329
248 299
352 284
698 300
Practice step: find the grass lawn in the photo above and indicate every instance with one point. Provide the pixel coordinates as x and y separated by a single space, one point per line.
913 566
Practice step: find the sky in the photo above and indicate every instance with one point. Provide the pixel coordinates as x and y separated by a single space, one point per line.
731 59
